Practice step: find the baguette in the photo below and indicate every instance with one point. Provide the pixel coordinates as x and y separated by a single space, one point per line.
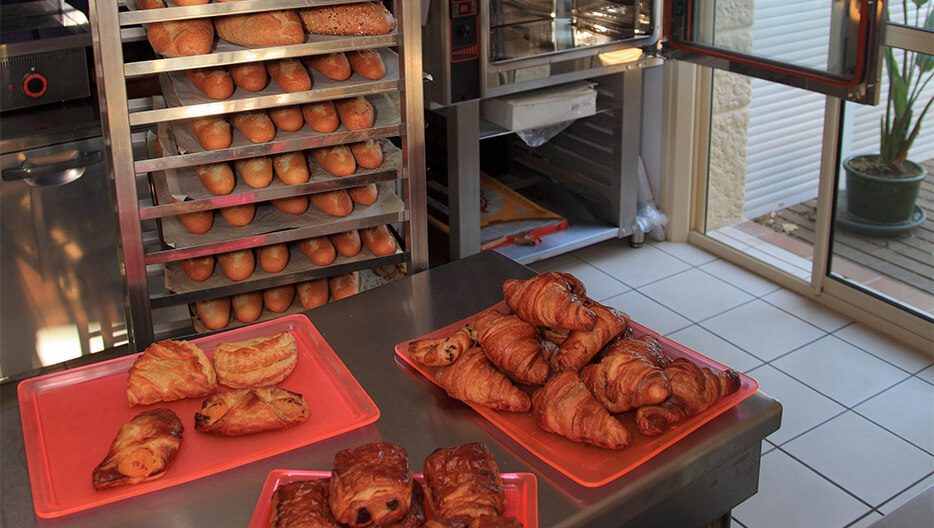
362 18
271 28
198 268
251 77
279 299
214 313
321 116
213 132
338 160
369 153
247 307
291 167
313 293
216 177
181 38
274 258
295 205
238 215
346 243
332 65
288 118
356 113
198 222
364 194
319 250
334 203
255 172
290 75
215 83
237 265
378 240
367 63
190 2
343 286
255 125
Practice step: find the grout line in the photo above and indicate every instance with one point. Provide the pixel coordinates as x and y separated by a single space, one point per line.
848 492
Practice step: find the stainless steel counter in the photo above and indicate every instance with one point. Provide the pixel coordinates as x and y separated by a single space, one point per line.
694 483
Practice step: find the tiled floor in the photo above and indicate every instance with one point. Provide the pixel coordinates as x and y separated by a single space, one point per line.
857 434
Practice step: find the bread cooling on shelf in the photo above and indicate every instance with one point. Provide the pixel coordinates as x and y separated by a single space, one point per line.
257 362
142 450
170 370
239 412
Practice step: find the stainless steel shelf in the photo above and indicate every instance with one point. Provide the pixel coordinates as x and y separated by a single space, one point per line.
173 12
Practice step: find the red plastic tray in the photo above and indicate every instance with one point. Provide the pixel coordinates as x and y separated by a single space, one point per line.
521 495
70 419
586 464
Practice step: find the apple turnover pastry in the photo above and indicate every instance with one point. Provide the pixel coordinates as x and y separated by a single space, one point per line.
257 362
141 451
170 370
371 485
241 412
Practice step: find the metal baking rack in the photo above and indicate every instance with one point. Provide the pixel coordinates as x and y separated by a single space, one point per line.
146 184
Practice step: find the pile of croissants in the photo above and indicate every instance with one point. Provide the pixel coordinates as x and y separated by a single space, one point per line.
573 362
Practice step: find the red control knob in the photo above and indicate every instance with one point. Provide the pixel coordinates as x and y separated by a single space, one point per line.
35 84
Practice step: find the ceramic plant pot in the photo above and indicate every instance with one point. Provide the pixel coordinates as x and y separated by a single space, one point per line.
879 199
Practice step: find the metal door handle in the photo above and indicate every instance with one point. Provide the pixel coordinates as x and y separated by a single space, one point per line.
29 170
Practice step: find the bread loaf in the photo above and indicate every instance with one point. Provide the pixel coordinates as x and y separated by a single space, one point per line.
288 118
356 113
198 268
181 38
378 240
343 286
251 77
238 215
217 178
346 243
367 63
279 299
199 222
295 205
319 250
274 258
237 265
334 203
364 194
291 167
331 65
214 313
322 116
247 307
190 2
255 125
369 153
362 18
213 132
215 83
338 160
271 28
290 75
313 293
255 172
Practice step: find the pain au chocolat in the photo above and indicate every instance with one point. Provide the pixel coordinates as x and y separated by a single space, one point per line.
258 362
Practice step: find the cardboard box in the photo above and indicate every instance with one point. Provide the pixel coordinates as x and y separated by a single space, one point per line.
540 108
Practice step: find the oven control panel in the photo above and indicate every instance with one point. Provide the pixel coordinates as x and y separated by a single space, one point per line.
45 77
465 50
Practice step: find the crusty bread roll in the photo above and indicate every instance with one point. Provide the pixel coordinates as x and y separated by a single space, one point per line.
313 293
319 250
237 265
255 172
367 63
346 243
362 18
215 83
190 2
199 222
238 215
180 38
214 313
247 307
331 65
356 113
295 205
378 240
217 178
334 203
343 286
274 258
338 160
366 194
369 153
288 118
291 167
198 268
257 362
321 116
213 132
280 298
251 77
290 75
271 28
255 125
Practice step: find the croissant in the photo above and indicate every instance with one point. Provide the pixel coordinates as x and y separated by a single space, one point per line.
141 451
549 299
302 503
624 380
170 370
565 406
512 345
238 412
443 351
472 378
464 483
370 485
646 346
582 345
693 389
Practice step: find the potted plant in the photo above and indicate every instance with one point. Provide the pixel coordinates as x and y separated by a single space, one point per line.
882 188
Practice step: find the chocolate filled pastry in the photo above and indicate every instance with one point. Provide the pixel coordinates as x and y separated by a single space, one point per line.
415 517
371 485
442 351
257 362
463 484
142 450
302 504
170 370
239 412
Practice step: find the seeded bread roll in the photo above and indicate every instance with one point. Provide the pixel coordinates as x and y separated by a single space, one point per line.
290 75
356 113
255 172
181 38
362 18
291 167
321 116
217 178
338 160
288 118
271 28
255 125
250 77
215 83
367 63
213 132
332 65
238 215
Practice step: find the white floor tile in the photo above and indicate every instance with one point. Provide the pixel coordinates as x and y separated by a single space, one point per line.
802 407
867 521
695 294
839 370
762 329
600 286
907 495
863 458
806 309
702 341
888 349
790 494
634 267
647 312
693 255
742 279
907 410
927 374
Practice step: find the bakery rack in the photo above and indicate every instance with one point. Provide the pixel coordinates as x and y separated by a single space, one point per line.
144 176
